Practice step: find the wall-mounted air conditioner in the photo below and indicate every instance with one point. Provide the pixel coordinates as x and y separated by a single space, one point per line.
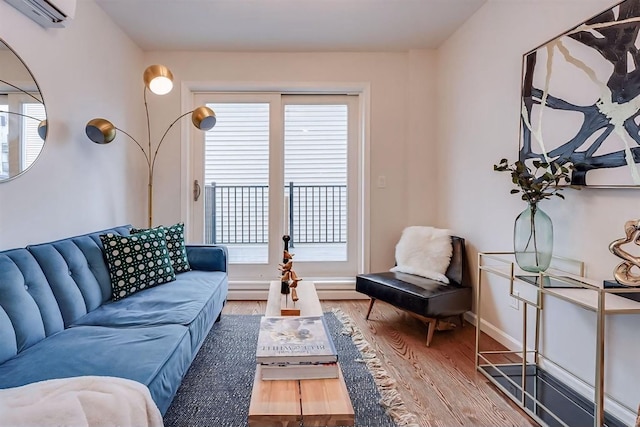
48 13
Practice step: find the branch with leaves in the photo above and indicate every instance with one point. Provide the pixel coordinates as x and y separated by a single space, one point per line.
544 182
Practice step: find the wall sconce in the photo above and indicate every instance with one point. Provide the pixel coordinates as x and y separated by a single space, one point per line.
42 126
159 80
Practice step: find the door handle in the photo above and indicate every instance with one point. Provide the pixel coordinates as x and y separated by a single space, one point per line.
196 190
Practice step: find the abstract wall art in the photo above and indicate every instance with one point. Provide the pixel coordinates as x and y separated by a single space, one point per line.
581 99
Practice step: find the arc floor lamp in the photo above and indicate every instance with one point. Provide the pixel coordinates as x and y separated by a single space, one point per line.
159 80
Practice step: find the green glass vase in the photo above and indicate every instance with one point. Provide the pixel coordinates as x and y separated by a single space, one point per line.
533 239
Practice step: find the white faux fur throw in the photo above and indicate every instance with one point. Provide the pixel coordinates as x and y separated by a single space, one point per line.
89 401
424 251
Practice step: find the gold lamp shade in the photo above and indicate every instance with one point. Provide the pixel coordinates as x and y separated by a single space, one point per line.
203 118
158 79
100 131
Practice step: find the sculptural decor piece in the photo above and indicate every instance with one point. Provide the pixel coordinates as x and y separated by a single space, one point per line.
580 100
284 284
288 282
622 273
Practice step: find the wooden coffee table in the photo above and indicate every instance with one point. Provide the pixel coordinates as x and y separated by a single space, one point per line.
284 403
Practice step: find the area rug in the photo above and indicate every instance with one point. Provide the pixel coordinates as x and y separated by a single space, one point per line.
217 388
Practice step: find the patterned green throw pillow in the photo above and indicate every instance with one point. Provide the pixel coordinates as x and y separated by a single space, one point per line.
137 262
175 245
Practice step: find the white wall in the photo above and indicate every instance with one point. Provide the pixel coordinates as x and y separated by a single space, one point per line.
86 70
12 70
402 122
479 71
92 69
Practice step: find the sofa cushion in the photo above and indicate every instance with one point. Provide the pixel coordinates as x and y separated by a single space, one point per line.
157 357
28 309
172 303
175 245
424 251
137 262
420 295
76 272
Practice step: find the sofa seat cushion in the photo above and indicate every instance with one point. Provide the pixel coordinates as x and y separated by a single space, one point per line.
417 294
178 302
157 357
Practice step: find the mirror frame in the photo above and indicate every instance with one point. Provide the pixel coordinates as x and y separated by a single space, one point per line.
29 93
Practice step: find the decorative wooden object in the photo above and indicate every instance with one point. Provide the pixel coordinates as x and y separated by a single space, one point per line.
284 284
288 283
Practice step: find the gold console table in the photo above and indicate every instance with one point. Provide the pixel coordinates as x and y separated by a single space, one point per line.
521 373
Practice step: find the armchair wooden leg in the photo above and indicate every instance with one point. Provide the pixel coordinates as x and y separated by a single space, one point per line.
370 307
431 326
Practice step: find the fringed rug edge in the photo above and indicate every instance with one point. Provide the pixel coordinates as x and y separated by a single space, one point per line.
390 398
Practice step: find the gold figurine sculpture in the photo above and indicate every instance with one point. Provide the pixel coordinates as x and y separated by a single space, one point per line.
622 273
288 275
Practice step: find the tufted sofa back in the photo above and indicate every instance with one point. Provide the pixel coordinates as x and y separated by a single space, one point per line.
46 287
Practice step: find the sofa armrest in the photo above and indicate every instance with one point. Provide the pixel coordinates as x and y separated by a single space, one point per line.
208 257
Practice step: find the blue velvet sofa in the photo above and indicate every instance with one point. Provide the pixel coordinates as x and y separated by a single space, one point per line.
57 319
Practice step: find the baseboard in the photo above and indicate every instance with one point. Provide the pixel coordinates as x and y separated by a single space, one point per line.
612 406
497 334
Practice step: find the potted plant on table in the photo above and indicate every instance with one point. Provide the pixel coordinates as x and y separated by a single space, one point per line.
533 229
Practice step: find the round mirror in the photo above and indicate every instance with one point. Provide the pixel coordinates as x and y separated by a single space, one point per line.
23 125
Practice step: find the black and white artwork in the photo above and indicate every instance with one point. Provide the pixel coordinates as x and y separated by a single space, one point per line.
581 99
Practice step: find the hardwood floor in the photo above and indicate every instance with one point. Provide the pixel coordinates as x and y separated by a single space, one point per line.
439 383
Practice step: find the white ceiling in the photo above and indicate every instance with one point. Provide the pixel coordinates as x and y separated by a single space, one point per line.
289 25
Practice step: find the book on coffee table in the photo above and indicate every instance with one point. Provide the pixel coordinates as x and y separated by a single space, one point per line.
299 372
294 341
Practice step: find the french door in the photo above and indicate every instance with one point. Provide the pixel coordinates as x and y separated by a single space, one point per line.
279 165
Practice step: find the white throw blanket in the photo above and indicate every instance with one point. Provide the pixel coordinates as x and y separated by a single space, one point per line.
77 402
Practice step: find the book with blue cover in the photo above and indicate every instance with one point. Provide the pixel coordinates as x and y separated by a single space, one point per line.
295 340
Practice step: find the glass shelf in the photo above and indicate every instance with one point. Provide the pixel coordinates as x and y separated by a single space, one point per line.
544 397
565 280
547 397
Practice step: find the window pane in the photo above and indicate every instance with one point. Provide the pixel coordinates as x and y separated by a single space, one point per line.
237 181
315 173
32 141
28 147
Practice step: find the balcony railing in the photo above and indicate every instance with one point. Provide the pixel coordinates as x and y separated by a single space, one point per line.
237 214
